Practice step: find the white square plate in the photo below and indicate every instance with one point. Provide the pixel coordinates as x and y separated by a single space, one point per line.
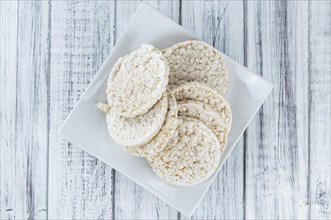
86 126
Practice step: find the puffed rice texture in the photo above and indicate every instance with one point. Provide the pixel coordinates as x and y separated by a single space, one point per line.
134 132
159 142
196 61
190 157
137 81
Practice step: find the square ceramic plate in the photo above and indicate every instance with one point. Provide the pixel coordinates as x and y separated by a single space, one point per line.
86 126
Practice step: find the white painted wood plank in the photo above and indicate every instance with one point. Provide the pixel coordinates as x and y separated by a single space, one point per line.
131 200
277 149
320 109
24 99
80 186
220 23
8 60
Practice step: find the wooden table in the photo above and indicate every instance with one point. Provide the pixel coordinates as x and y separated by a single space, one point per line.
50 52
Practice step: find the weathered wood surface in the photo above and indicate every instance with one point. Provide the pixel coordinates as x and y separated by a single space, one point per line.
51 50
81 36
23 107
319 110
277 140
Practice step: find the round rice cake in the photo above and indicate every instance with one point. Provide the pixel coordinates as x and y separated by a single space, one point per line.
190 157
206 114
134 132
167 131
137 81
202 93
196 61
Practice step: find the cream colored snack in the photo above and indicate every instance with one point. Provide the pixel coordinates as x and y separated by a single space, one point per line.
211 118
200 92
103 107
164 50
134 132
159 142
196 61
137 81
189 158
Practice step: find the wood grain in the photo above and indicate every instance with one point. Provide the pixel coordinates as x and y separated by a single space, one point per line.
24 116
320 109
223 28
8 12
8 60
80 186
276 144
131 200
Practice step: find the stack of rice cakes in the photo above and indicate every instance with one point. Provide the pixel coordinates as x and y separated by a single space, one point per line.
169 107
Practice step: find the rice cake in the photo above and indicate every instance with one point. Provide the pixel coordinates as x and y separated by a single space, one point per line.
167 131
137 81
137 131
196 61
206 114
189 158
202 93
